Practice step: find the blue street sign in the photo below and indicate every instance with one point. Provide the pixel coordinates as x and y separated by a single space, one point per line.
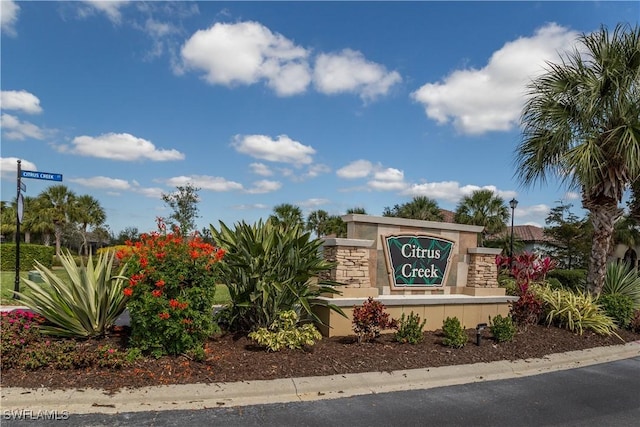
41 175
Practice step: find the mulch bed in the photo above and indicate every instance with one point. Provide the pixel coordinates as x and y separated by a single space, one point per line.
236 358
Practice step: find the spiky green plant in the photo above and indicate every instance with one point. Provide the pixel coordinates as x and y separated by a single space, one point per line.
575 311
84 305
269 269
620 279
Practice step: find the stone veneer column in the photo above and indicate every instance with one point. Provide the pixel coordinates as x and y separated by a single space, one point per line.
352 263
483 271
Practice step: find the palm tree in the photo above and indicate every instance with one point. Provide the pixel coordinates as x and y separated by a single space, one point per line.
581 123
421 207
39 221
88 212
483 208
57 203
287 215
8 219
357 210
317 222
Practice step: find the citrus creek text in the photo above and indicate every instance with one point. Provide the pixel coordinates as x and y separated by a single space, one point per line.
413 251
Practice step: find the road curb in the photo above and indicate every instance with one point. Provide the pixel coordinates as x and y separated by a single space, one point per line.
202 396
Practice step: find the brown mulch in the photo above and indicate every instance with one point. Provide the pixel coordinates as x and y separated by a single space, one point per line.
232 358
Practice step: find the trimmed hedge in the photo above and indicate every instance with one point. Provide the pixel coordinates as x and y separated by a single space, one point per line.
570 279
28 255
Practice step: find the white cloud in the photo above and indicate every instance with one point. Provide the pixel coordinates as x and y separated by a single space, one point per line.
282 149
316 170
451 191
251 207
527 212
313 203
110 8
151 192
349 72
264 186
491 98
245 53
356 169
102 182
9 167
13 128
9 11
205 182
389 179
260 169
571 195
120 146
20 100
157 29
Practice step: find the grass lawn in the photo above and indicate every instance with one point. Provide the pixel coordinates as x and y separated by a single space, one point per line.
7 282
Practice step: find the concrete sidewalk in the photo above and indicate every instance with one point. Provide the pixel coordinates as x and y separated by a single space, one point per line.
200 396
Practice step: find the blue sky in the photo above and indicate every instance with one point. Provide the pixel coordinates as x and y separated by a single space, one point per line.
326 105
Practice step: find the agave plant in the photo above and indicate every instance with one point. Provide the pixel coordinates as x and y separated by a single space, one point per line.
270 269
620 279
85 305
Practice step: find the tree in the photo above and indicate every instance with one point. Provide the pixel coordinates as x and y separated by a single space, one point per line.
317 222
421 207
57 205
128 234
184 204
571 234
581 123
634 202
287 215
483 208
88 212
357 210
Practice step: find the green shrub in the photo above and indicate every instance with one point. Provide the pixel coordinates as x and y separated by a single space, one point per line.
509 284
634 325
554 283
620 279
284 332
502 328
269 269
575 279
370 319
410 329
575 311
84 305
454 335
619 307
29 255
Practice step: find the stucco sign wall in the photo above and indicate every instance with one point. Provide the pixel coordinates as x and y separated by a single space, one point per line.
417 261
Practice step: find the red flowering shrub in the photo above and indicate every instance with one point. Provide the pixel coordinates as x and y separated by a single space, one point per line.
171 289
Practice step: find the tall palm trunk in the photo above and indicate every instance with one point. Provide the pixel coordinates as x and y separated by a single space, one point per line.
603 216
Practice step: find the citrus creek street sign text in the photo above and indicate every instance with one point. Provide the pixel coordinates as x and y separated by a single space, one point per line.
41 175
417 260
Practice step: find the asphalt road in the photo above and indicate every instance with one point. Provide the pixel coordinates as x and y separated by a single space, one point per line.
599 395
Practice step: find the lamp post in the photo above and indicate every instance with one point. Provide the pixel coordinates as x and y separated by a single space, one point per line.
513 203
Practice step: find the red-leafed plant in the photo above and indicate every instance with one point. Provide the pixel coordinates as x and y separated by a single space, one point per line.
370 319
526 268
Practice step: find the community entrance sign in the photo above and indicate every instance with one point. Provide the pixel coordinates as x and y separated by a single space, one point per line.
417 261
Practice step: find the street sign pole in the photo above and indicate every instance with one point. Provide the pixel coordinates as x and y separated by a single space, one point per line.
16 287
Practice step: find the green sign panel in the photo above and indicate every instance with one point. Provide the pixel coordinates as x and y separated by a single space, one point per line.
417 260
